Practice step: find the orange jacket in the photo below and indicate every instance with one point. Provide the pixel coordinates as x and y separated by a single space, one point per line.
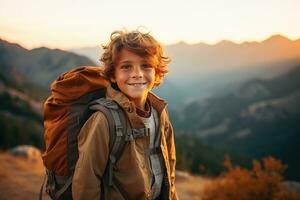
132 169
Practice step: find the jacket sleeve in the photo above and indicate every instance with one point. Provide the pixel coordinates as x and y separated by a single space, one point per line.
172 159
93 147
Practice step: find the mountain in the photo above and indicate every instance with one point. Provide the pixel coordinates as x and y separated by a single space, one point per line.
40 65
258 118
207 70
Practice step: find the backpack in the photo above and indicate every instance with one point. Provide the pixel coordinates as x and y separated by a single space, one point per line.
75 96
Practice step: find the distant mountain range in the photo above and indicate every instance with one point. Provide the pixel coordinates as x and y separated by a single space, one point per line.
226 55
207 70
188 59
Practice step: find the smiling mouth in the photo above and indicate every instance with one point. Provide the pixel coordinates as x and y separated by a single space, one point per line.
136 84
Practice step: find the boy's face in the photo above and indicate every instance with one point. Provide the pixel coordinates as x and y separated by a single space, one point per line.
134 76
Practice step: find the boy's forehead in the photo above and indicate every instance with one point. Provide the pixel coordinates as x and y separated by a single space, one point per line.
126 55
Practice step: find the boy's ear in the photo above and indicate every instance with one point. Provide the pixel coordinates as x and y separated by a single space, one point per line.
112 79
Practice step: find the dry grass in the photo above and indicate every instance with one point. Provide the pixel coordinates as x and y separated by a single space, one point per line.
20 178
191 187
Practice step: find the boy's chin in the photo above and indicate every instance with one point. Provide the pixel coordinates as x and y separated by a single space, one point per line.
135 96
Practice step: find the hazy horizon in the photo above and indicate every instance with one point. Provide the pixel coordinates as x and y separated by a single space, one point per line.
170 44
70 24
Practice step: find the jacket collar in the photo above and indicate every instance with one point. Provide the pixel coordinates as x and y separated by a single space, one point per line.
157 103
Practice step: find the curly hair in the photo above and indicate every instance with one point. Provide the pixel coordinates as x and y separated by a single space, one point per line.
140 43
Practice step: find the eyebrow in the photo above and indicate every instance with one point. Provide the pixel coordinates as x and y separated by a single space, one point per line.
129 61
126 61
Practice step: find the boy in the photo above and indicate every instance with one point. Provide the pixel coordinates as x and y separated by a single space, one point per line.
134 63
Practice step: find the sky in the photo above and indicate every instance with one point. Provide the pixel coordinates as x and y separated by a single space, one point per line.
69 24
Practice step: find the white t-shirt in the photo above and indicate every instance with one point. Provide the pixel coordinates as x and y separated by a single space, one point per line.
156 160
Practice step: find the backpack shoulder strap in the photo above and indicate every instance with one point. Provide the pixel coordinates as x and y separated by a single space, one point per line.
116 122
105 106
117 126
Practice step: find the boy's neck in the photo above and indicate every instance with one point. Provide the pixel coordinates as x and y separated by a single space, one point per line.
140 103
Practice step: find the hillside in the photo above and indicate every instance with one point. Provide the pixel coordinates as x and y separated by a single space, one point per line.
20 117
260 118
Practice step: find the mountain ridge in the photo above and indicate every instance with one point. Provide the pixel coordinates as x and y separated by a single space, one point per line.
47 63
202 58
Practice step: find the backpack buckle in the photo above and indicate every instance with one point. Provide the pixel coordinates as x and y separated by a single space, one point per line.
137 133
129 137
140 132
119 130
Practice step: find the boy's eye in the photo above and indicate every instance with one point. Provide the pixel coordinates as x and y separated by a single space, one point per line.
146 65
125 66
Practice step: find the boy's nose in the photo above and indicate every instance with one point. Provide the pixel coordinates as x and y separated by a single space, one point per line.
137 72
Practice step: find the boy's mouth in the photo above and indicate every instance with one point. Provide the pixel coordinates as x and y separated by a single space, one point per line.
137 84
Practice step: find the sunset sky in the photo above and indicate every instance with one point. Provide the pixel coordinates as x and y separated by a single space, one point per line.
81 23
